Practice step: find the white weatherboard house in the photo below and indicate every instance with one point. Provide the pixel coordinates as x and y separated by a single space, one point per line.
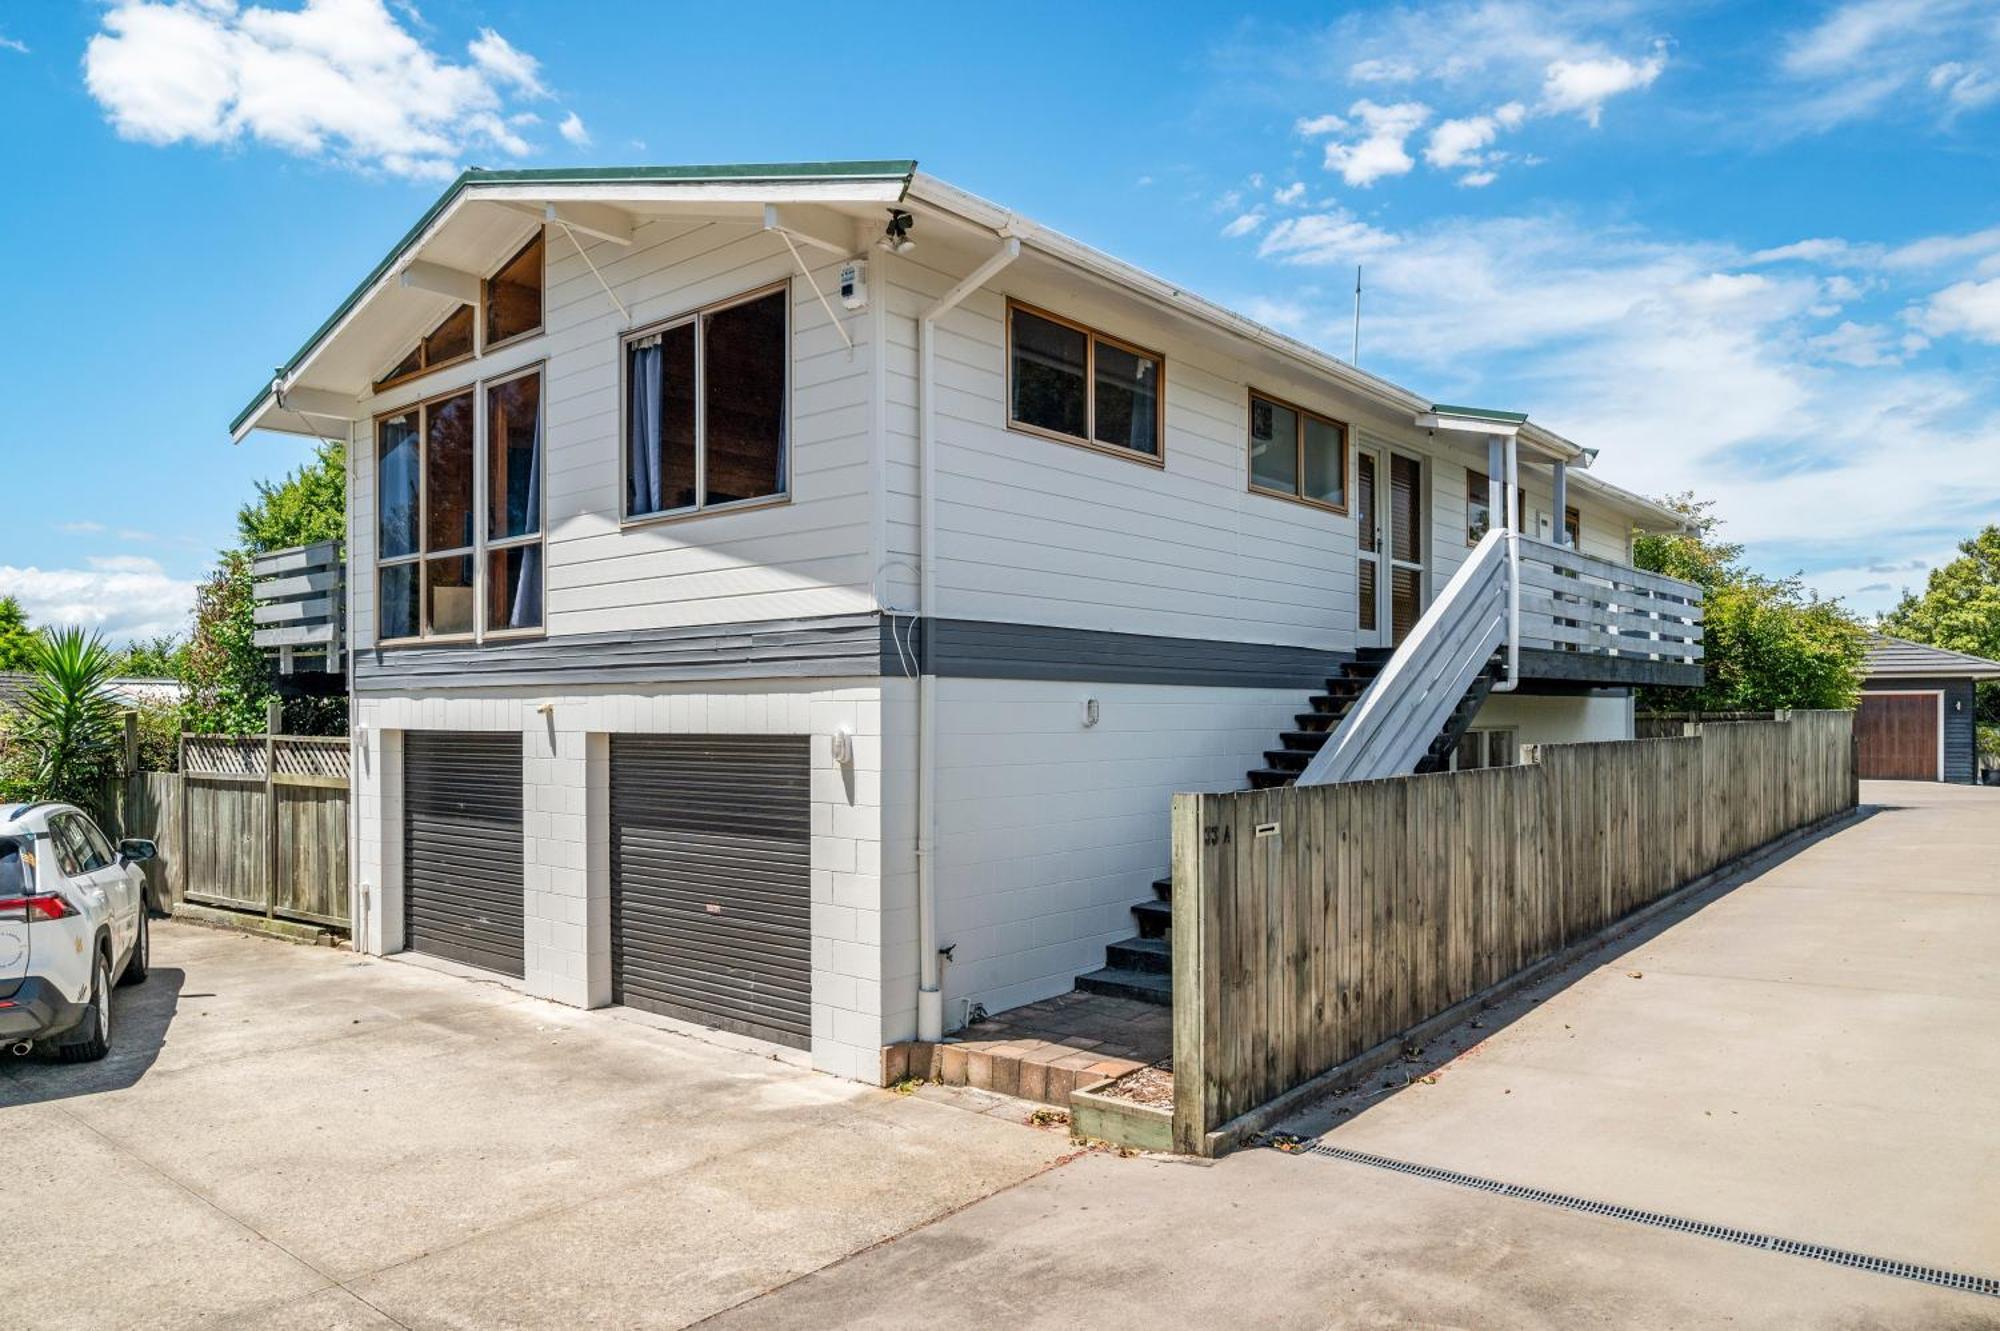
786 597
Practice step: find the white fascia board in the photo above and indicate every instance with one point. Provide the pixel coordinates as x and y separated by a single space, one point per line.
704 191
1431 420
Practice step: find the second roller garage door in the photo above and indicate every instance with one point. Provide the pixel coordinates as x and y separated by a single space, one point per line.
711 881
463 851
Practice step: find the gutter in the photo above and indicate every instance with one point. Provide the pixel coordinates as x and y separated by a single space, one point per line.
930 994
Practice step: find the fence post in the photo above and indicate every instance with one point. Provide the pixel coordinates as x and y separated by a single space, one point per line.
271 816
1191 979
130 720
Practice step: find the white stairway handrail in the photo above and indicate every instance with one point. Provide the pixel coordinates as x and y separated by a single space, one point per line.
1405 707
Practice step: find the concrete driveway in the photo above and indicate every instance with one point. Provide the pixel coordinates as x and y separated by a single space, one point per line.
289 1136
1810 1055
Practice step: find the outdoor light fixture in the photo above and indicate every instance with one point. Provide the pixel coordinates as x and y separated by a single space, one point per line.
896 236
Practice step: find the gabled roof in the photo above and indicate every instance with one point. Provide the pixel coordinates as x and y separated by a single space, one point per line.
1899 658
738 186
731 172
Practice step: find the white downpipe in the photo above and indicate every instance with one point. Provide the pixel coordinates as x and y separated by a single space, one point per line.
930 995
1510 518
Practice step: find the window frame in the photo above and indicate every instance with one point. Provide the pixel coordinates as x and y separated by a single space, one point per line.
1255 394
480 346
481 545
701 508
1481 490
541 292
487 545
1573 516
1091 337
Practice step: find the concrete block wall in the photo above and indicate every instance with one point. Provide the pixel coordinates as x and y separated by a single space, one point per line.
566 892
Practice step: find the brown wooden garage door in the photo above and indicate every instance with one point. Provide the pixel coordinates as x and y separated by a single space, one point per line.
1898 735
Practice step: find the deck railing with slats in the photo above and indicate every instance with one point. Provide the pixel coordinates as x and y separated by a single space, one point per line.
1574 602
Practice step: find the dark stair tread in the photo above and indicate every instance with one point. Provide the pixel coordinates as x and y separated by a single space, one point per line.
1145 986
1155 918
1309 740
1152 955
1163 888
1264 778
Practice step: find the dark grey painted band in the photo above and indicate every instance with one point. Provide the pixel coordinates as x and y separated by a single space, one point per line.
986 649
867 644
823 647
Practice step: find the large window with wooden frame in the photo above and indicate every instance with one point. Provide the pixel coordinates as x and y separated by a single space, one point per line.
458 508
1297 454
706 411
1069 382
510 307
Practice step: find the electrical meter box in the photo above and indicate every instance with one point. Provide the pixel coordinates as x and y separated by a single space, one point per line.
854 284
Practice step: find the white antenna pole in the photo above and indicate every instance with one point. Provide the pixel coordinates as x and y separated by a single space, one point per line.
1356 360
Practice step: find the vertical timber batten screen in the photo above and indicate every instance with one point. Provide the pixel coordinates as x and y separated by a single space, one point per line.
1314 923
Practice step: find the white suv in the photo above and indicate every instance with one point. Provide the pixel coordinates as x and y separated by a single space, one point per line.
72 922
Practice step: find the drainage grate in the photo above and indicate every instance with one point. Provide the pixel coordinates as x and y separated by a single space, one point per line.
1818 1252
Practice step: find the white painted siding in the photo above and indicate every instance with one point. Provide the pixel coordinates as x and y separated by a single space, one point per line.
1031 530
1557 720
1049 831
813 556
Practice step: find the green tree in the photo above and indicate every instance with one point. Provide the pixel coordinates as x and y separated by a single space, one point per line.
309 505
158 657
17 640
227 677
1767 642
69 731
1960 611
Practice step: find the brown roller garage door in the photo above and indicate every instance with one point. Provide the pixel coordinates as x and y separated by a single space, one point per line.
711 881
1898 736
463 852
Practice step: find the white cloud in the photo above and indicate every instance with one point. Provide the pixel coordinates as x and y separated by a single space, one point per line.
1291 194
573 131
1313 127
1323 238
1379 150
1863 346
83 527
1967 309
1478 179
336 79
121 596
1243 225
1890 58
507 63
12 44
1584 86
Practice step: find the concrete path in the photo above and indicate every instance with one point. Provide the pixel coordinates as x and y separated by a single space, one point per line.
298 1137
1811 1055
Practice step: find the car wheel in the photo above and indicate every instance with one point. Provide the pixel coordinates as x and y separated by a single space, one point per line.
95 1041
142 952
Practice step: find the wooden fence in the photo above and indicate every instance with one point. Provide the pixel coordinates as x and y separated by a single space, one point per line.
1312 924
252 823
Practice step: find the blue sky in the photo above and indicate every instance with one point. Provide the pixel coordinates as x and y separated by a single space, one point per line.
1748 250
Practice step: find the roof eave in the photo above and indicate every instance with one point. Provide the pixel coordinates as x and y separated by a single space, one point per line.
579 182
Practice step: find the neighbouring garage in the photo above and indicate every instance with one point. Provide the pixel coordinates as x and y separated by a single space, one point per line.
463 850
711 881
1918 718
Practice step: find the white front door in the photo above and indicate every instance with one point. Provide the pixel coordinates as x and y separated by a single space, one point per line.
1389 524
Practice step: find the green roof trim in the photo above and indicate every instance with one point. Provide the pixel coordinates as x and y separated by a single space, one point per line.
1481 414
889 169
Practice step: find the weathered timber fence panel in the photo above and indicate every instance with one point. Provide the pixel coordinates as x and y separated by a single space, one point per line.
1312 924
263 825
147 804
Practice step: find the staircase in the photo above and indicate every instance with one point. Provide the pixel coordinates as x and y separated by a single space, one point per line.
1142 967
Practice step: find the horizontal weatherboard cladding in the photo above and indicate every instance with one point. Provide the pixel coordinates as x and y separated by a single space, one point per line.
1961 719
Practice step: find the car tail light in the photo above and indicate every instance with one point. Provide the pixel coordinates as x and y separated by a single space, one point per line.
40 908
